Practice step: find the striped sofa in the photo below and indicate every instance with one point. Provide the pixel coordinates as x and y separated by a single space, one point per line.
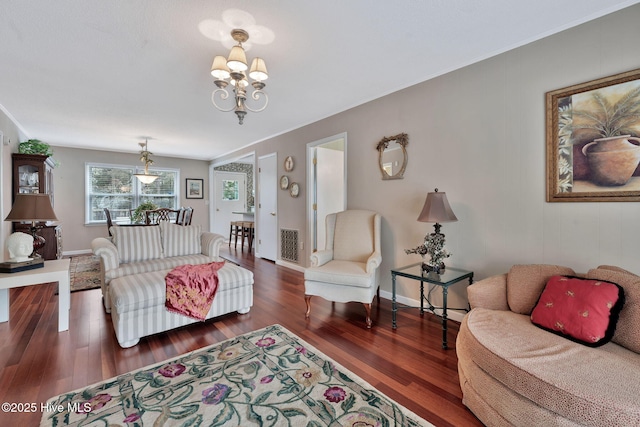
133 266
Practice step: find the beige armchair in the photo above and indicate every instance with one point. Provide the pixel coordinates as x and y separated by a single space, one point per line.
347 270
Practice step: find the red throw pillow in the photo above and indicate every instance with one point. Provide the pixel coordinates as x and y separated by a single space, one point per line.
582 310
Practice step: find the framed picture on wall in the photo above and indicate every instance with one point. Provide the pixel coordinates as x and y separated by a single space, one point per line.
593 140
194 188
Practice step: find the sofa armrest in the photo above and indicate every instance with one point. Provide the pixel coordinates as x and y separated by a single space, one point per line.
489 293
211 243
321 257
374 261
107 252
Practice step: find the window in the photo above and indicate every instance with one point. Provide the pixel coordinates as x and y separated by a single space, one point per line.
230 190
115 188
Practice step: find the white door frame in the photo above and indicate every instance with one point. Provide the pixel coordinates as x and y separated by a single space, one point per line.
311 183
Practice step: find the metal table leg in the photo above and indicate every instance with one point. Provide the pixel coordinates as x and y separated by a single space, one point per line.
394 307
444 317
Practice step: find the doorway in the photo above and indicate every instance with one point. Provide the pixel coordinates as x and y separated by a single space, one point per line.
222 192
229 196
327 184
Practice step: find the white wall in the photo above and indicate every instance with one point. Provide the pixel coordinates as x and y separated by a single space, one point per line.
479 134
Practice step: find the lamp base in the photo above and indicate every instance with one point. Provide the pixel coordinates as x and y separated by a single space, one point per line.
436 269
38 243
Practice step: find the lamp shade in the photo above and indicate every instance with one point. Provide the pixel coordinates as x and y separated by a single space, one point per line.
146 178
237 59
32 207
258 70
219 68
437 209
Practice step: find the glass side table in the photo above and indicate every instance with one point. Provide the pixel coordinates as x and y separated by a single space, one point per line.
448 277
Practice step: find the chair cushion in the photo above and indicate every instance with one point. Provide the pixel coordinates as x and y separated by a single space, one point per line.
526 282
354 235
627 331
179 240
341 273
137 243
583 310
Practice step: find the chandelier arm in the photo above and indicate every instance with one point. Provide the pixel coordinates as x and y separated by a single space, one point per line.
256 95
224 94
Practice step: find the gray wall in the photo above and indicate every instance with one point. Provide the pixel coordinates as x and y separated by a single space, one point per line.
69 187
479 135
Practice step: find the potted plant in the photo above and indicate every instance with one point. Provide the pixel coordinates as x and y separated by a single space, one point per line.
138 215
35 146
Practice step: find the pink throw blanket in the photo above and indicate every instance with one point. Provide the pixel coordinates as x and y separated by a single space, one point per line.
191 288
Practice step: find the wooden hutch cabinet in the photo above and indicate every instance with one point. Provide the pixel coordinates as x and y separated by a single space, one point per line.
33 173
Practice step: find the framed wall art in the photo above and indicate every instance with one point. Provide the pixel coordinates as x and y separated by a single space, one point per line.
194 188
593 140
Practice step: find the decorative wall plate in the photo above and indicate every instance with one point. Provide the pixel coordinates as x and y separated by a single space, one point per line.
284 182
288 164
294 189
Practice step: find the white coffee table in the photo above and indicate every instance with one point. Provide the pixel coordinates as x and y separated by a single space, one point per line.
53 271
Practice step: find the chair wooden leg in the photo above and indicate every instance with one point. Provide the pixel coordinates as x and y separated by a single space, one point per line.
307 300
367 308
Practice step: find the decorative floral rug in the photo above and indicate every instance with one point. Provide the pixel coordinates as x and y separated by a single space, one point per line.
84 271
267 377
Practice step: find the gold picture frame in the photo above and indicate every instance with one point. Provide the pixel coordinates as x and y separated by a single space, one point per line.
592 144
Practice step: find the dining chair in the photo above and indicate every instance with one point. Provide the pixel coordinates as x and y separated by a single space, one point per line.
185 216
109 222
162 214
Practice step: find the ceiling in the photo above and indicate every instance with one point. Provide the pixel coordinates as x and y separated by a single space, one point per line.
105 74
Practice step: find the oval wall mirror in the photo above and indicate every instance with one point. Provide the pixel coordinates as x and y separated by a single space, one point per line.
392 156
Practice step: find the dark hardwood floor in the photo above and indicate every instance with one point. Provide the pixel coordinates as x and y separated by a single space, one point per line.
408 364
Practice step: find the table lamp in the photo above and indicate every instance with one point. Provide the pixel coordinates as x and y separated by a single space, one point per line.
436 209
34 208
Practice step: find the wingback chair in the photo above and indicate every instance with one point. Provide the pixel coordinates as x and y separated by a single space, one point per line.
347 270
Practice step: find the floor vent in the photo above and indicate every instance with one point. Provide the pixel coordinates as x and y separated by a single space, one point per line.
289 245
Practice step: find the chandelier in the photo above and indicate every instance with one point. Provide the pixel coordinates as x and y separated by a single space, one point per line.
234 69
145 157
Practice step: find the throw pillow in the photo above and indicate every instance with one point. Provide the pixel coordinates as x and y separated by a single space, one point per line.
179 240
627 332
137 243
583 310
526 282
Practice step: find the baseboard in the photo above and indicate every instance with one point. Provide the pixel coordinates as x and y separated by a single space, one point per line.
79 252
451 314
290 265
